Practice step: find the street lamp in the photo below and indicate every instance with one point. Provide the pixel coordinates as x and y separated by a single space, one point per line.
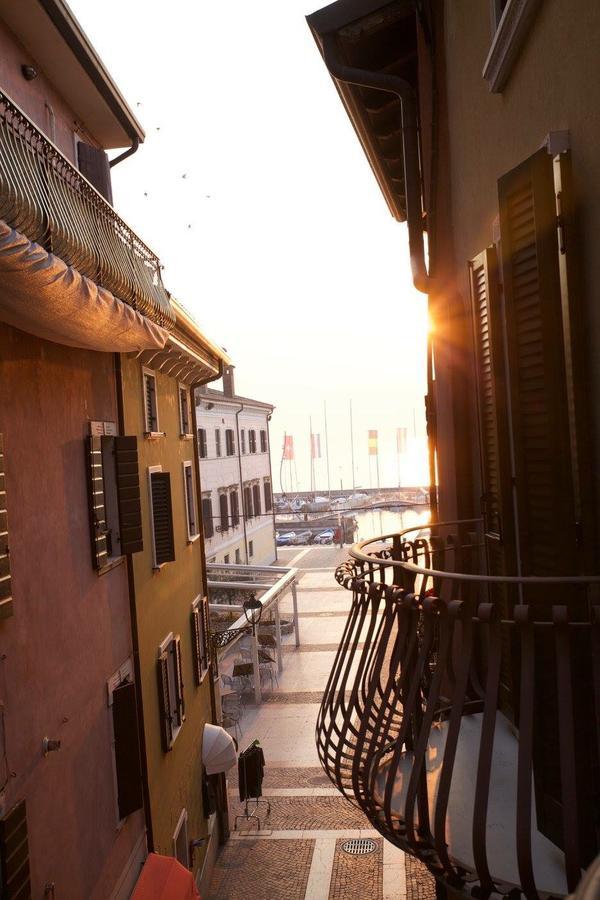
253 611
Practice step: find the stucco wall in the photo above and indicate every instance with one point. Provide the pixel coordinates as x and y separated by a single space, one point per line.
163 604
70 630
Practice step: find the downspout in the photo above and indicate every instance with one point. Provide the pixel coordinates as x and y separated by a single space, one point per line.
135 143
271 482
239 456
382 81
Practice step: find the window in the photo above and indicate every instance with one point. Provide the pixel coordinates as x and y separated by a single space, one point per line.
263 441
207 517
252 441
202 443
126 744
217 441
250 548
114 497
184 412
224 512
181 850
238 556
511 21
226 559
5 581
150 403
235 509
190 500
247 502
229 442
161 514
243 439
200 637
170 690
268 498
256 499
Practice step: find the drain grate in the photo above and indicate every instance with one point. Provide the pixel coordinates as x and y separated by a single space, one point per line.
359 846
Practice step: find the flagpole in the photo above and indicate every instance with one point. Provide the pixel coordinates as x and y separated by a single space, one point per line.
327 447
352 445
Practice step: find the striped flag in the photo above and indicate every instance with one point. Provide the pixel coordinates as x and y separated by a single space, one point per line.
288 446
315 446
373 451
401 439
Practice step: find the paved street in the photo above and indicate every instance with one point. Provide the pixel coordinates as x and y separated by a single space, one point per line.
298 853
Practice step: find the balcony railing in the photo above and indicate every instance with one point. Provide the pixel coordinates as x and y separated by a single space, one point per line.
459 703
49 201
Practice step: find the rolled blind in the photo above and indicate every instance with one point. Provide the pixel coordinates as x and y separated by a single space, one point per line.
6 604
127 749
162 517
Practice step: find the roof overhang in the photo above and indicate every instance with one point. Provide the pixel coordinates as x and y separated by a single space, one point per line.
52 35
374 36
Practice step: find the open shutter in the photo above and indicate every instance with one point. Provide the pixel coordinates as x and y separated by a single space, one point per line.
96 499
127 749
179 680
14 854
6 604
224 513
207 519
164 702
256 499
162 517
93 165
128 493
548 394
196 621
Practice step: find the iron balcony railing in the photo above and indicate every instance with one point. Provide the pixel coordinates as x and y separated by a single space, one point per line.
49 201
459 704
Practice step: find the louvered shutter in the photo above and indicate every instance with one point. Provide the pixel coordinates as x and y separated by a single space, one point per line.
179 680
128 494
207 519
268 499
150 403
96 500
93 165
196 622
14 854
548 395
235 508
6 604
256 499
127 749
164 701
224 512
206 630
162 517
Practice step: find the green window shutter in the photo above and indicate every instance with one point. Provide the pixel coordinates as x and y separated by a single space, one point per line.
127 749
164 702
162 517
14 854
6 604
128 493
96 501
179 680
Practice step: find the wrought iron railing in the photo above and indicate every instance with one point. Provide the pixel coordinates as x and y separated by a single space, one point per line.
49 201
457 701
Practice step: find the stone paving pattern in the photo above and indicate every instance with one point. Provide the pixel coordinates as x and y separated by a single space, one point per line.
420 884
357 876
308 814
292 777
240 874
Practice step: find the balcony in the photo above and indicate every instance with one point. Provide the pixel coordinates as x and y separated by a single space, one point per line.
45 198
462 712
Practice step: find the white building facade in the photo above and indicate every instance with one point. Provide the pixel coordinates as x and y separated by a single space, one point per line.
235 474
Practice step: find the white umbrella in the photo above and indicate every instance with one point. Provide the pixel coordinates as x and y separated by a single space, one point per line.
218 750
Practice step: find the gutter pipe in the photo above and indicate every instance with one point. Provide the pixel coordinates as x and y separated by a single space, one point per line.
135 143
239 456
383 81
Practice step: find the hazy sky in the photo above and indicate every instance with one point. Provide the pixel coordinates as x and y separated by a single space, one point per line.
277 239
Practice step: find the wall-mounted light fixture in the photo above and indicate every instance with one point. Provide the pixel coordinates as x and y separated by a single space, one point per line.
29 72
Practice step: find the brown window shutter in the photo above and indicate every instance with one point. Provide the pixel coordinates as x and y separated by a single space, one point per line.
235 508
96 500
93 165
151 402
207 519
164 704
224 512
196 621
206 630
6 604
14 854
179 680
268 499
256 499
162 515
128 493
127 749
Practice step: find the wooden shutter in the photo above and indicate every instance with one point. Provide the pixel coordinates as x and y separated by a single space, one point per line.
164 701
96 500
127 749
150 403
256 499
6 604
200 638
162 517
128 494
93 165
14 854
179 680
202 443
207 519
235 508
224 512
268 500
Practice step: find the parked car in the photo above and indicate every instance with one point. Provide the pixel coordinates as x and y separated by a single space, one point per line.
285 538
303 537
324 537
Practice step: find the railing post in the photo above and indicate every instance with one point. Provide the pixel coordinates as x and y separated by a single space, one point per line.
296 624
278 638
256 669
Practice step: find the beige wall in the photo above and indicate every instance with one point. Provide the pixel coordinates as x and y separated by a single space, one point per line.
163 605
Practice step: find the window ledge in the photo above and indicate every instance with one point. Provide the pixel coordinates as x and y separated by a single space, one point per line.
186 437
508 39
154 435
156 567
193 539
111 564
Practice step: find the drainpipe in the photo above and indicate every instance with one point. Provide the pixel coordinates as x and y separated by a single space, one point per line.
382 81
135 143
239 456
271 482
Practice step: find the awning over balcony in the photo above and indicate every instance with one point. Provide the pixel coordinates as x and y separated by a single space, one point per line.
42 295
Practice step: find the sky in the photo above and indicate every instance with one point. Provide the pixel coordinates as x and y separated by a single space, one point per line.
252 188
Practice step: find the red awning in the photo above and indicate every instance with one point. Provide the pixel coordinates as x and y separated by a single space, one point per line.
163 878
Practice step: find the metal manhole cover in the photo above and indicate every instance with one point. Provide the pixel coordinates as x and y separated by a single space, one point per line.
359 846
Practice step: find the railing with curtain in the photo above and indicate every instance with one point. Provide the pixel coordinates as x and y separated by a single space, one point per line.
49 201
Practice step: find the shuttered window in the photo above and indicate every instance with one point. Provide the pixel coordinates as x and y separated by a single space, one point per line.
243 439
229 442
162 517
217 441
184 412
224 512
263 441
207 517
127 749
190 500
248 502
202 443
200 637
128 493
252 441
93 165
235 508
181 846
268 497
170 690
256 499
14 854
6 604
150 403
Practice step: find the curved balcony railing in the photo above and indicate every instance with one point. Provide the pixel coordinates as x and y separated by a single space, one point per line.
49 201
459 704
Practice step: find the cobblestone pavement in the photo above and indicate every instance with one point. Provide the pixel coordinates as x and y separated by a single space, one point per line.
356 876
309 814
420 884
315 648
292 777
243 865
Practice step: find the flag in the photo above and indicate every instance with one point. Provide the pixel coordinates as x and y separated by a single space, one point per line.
315 446
401 439
288 446
373 443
